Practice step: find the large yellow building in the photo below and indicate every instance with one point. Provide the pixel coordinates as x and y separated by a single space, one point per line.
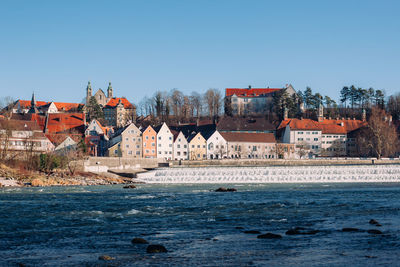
197 147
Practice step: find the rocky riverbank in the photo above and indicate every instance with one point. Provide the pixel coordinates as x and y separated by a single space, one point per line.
14 177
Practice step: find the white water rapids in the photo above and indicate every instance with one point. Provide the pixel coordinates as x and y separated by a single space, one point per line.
281 174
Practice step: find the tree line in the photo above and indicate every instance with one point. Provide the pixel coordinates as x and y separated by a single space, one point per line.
177 106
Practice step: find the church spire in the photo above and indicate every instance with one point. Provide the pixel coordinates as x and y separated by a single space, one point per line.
109 91
33 108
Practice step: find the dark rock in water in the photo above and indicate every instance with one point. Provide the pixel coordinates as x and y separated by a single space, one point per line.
239 227
138 240
371 257
156 249
129 186
374 232
223 189
379 225
252 232
312 232
106 258
372 221
349 229
269 236
292 232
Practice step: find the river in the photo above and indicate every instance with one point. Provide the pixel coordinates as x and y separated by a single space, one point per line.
73 226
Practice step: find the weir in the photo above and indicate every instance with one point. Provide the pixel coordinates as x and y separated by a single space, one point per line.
286 174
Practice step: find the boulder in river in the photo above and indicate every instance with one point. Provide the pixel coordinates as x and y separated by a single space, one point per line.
252 232
139 240
129 186
374 232
373 221
156 249
223 189
269 236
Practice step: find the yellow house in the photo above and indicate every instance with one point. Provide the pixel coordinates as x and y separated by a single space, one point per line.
197 147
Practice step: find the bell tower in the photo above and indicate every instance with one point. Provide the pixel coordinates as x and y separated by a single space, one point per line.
109 91
88 92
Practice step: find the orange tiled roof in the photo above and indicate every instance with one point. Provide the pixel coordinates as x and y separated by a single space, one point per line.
57 139
249 137
300 124
326 126
61 106
115 100
61 122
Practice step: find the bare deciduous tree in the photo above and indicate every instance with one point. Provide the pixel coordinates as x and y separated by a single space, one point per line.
379 138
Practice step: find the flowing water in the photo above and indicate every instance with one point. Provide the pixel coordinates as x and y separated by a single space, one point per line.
73 226
283 174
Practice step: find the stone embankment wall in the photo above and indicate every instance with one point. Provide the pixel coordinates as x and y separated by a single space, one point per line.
105 164
283 162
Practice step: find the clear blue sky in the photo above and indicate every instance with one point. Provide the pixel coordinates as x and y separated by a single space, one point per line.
55 47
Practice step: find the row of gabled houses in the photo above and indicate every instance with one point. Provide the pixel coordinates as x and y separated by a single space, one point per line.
231 137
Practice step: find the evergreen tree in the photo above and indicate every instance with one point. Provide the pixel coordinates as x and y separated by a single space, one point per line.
93 110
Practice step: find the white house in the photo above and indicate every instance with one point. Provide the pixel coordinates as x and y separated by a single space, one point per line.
165 142
181 147
216 146
250 145
306 134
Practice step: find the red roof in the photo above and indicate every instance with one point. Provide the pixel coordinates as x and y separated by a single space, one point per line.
326 126
61 106
253 92
57 139
61 122
115 100
300 124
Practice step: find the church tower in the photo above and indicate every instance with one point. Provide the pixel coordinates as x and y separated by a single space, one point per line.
33 108
109 91
88 92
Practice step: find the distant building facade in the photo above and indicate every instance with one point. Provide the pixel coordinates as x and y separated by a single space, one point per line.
244 101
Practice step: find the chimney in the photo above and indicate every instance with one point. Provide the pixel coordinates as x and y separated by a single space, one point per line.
390 118
249 87
342 123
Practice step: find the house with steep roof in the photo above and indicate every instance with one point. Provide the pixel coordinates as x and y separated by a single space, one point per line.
165 142
181 146
119 111
217 147
244 101
250 145
97 137
63 143
149 142
197 146
126 142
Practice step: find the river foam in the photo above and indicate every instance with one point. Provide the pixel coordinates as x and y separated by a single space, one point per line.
281 174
